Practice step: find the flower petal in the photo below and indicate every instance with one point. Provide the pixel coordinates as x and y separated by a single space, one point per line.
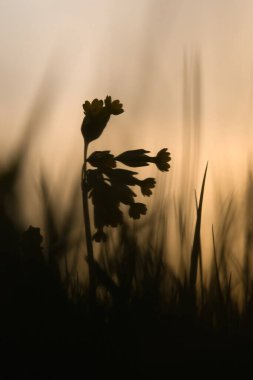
134 158
136 210
102 159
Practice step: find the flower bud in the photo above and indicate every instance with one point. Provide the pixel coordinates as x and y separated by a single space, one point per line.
97 116
134 158
102 159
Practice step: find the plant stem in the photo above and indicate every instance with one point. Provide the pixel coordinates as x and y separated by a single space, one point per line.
86 216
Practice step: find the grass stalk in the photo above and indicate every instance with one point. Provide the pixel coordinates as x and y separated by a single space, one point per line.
218 283
196 248
86 216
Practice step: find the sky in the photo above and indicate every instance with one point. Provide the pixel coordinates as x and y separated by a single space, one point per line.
182 69
133 50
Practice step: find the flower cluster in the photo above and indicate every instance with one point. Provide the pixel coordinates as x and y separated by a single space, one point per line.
106 185
109 186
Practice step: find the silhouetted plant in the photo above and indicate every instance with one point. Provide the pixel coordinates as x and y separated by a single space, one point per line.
108 186
31 243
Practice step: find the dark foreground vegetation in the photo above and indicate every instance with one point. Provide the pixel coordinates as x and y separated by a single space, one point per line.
147 319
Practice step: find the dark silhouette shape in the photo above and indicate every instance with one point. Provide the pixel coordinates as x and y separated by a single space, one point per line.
97 116
141 321
107 185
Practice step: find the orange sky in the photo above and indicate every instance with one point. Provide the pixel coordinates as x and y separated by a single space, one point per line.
132 50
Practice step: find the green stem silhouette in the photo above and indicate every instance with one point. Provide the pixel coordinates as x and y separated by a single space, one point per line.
86 216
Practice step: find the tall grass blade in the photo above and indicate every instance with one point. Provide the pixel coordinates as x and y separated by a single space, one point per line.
200 260
195 254
218 283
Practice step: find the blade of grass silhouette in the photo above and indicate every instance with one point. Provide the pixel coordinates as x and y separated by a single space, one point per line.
86 216
200 260
248 238
228 292
50 222
227 215
181 235
9 227
196 241
218 284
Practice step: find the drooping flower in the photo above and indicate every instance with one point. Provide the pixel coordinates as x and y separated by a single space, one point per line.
97 116
136 210
102 159
122 176
123 193
134 158
107 186
146 185
93 178
106 206
161 160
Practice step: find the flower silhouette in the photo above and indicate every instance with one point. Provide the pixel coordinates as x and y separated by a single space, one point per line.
139 157
107 186
134 158
115 107
161 160
123 193
122 176
93 179
106 206
97 115
146 185
136 210
102 159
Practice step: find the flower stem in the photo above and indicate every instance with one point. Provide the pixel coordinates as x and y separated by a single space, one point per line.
86 216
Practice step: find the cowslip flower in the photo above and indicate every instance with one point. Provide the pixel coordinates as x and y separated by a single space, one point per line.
146 185
123 193
106 207
134 158
102 159
122 176
161 160
93 179
136 210
97 114
115 107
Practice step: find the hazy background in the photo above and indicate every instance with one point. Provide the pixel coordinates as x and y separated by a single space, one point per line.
182 69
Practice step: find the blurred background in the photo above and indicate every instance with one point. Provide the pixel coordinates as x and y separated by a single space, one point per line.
182 69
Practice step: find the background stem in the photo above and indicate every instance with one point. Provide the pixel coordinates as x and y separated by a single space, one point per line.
90 255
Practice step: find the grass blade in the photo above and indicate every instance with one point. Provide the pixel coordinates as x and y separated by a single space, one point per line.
195 254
